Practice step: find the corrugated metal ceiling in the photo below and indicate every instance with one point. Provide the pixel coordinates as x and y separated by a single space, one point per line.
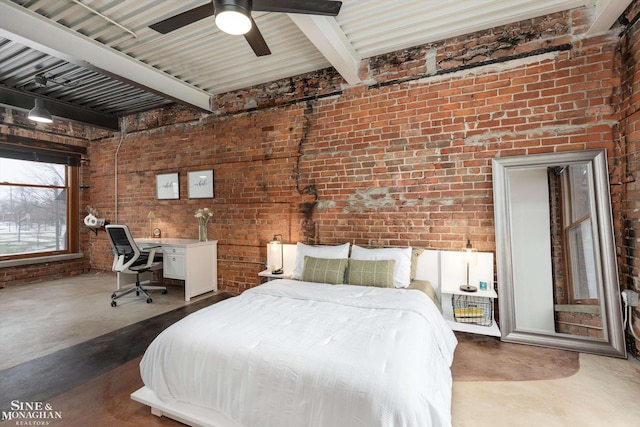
68 82
196 62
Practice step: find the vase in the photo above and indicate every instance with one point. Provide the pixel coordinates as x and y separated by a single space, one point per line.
202 232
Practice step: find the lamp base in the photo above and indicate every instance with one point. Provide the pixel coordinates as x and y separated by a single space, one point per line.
278 271
468 288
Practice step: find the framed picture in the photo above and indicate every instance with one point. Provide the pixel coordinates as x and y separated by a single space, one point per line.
201 184
168 186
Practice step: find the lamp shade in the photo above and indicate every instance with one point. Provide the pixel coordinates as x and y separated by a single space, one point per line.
274 255
39 113
470 256
233 16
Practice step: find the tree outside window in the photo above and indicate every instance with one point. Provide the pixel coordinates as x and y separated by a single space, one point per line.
34 207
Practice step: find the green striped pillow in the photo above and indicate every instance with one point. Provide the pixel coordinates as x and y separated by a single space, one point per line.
377 273
324 270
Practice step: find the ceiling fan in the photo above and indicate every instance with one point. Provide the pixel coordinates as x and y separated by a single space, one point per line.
234 16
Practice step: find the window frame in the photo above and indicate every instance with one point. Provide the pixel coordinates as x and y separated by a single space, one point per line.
21 148
571 222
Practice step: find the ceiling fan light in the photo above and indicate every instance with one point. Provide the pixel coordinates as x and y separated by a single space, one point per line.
39 113
232 22
233 16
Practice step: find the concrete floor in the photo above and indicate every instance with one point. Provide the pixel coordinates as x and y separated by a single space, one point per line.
39 319
604 392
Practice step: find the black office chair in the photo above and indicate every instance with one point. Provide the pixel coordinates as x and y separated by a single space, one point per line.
129 259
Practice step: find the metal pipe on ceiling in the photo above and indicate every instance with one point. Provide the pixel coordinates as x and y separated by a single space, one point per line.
78 2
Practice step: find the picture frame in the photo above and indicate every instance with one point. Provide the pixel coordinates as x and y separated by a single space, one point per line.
200 184
168 186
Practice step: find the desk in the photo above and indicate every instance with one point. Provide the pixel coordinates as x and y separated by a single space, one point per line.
190 260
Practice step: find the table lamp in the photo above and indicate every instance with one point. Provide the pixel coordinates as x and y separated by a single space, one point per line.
274 254
151 216
468 258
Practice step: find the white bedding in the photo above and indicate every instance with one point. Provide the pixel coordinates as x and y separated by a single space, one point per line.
291 353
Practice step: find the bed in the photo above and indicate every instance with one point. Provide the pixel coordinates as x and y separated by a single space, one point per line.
307 353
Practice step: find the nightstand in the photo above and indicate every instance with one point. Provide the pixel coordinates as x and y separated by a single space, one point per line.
459 311
470 312
270 276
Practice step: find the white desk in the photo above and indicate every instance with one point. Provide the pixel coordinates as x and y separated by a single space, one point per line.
190 260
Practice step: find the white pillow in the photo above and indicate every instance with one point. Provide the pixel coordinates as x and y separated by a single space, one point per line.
328 252
402 256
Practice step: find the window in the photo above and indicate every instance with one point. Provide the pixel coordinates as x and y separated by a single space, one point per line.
38 203
578 226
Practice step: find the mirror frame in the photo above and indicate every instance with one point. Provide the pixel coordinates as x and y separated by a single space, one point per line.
613 343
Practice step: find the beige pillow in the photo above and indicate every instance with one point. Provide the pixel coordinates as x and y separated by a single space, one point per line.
425 286
324 270
415 253
377 273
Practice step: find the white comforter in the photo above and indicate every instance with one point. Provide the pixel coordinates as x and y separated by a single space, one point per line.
298 354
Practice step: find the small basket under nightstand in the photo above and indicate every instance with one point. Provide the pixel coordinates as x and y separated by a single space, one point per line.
472 309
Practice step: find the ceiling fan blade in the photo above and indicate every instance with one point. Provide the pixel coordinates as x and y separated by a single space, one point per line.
256 41
183 19
309 7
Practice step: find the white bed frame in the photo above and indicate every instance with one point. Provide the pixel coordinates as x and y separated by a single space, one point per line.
438 267
185 413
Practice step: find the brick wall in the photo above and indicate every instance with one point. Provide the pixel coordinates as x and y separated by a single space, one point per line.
404 161
627 225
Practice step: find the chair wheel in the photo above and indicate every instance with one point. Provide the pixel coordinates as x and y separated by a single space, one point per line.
113 304
149 300
113 295
164 291
137 293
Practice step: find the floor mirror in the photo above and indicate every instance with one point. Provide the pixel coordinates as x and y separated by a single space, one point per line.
555 252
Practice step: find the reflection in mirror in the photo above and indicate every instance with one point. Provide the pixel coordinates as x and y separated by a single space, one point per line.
572 208
557 276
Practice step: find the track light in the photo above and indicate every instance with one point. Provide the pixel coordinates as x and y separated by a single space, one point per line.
233 16
39 113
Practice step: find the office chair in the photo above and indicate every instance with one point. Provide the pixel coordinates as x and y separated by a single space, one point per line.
129 259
